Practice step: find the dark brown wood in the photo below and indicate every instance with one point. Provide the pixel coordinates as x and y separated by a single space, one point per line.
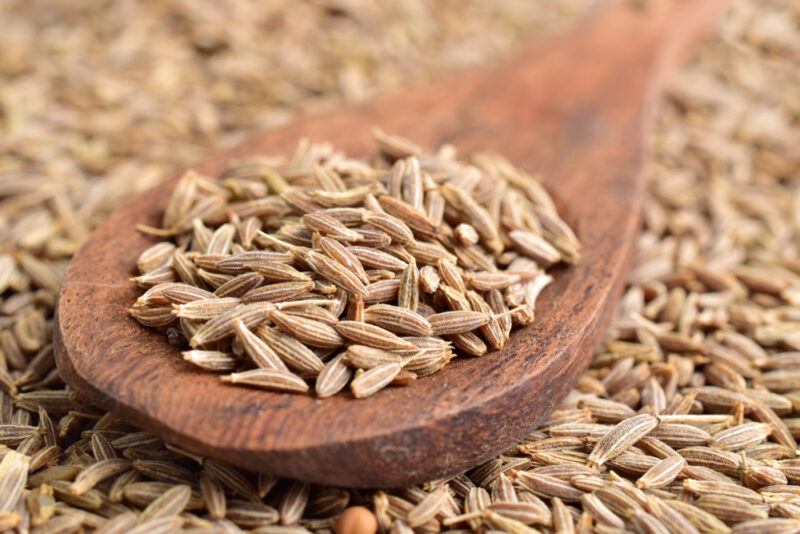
572 107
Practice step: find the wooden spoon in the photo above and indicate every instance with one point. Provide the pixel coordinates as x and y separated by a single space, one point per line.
571 106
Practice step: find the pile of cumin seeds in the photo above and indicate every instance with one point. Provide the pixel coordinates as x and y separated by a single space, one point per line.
333 271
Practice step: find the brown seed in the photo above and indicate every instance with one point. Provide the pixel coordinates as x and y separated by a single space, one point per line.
356 520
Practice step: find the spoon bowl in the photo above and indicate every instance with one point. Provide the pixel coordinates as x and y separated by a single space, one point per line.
572 107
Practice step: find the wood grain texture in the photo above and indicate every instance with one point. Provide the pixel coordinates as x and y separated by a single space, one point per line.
573 107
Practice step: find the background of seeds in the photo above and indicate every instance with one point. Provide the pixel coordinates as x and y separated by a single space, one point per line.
709 326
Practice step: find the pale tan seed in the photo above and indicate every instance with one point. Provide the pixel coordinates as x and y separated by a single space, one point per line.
365 357
377 259
251 515
395 146
336 273
426 253
428 508
254 260
429 279
392 226
729 509
767 526
486 281
730 489
592 504
673 520
408 290
469 343
273 379
741 436
373 380
119 524
239 285
168 505
456 322
308 331
162 525
293 502
662 473
716 459
343 255
398 319
319 221
372 336
205 309
548 486
414 218
279 292
475 214
535 247
621 437
681 435
382 291
293 353
13 476
233 480
153 317
96 473
765 414
221 240
334 377
278 272
259 351
221 327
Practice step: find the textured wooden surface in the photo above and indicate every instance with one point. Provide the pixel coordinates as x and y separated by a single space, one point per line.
573 107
